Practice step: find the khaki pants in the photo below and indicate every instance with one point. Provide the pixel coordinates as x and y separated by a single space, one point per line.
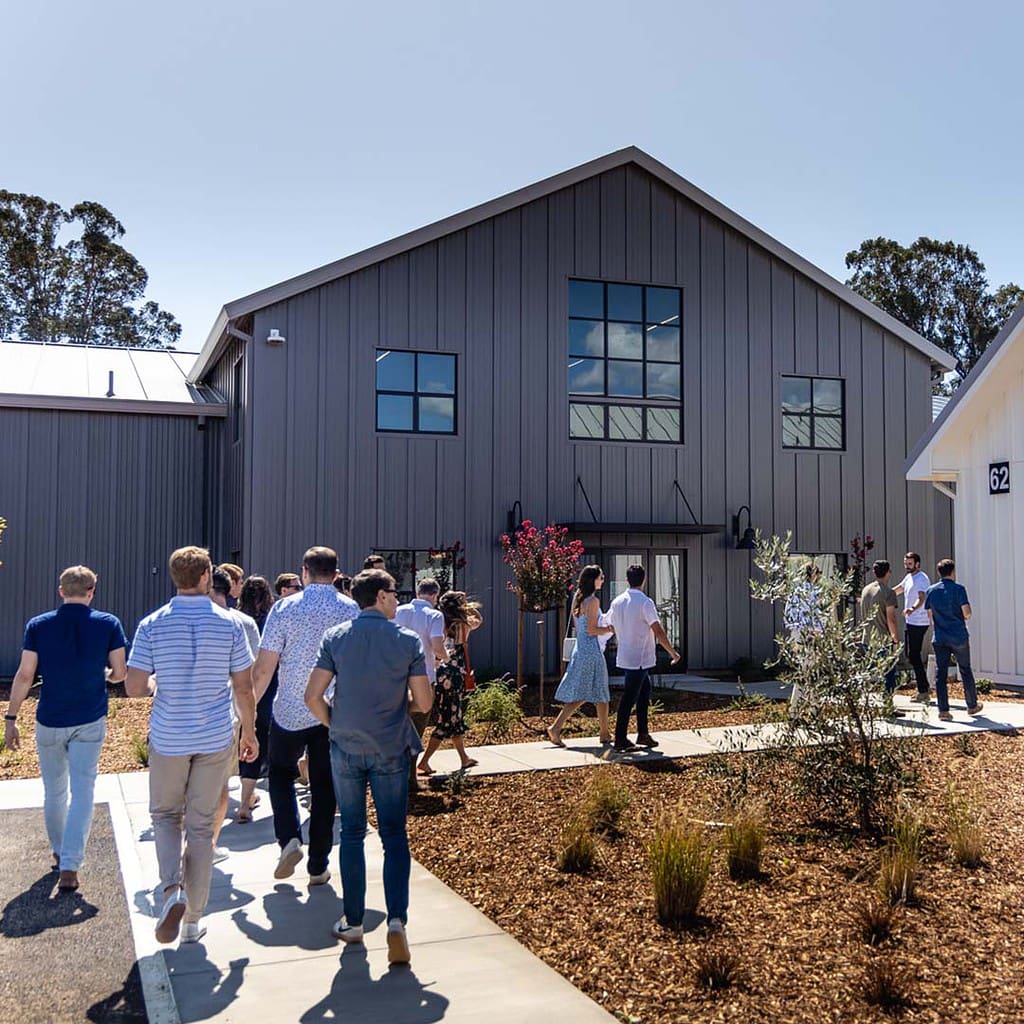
183 795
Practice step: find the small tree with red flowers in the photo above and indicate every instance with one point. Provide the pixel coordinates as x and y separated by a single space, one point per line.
544 564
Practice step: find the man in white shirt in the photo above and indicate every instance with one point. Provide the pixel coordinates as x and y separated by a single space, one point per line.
913 587
637 628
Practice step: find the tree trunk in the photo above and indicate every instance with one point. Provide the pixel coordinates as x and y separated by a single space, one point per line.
519 650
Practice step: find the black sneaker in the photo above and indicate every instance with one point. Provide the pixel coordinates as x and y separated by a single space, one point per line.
624 748
646 741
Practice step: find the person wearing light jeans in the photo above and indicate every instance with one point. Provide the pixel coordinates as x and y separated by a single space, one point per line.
75 649
193 659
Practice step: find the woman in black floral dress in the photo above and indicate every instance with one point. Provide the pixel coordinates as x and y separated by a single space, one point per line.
461 617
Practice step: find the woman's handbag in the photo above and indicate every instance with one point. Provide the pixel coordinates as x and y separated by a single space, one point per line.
568 643
468 675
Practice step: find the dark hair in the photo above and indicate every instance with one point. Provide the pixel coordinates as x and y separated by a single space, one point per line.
256 599
946 568
881 567
811 569
635 575
368 584
458 609
343 584
429 587
585 586
220 582
320 562
374 562
286 579
913 556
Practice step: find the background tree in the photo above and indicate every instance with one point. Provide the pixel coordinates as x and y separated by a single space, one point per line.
86 289
938 289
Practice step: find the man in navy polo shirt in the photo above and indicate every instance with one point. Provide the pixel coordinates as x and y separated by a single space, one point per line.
948 610
71 648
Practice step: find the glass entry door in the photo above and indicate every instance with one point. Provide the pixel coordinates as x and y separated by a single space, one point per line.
666 586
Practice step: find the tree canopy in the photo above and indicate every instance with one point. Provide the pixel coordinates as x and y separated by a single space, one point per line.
64 276
939 289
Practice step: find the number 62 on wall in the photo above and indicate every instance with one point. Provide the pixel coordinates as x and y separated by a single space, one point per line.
999 478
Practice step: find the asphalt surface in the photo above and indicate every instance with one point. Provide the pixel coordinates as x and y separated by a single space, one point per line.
64 956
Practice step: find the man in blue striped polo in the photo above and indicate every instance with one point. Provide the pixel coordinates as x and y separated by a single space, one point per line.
201 660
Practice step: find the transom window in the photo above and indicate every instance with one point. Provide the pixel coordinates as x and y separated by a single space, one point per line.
624 365
415 392
814 413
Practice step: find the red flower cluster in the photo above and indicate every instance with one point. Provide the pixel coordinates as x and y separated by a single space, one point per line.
544 563
860 548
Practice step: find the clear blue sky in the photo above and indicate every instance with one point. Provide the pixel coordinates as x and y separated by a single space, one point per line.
243 143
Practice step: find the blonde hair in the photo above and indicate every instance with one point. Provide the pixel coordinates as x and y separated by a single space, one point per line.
236 572
77 581
187 566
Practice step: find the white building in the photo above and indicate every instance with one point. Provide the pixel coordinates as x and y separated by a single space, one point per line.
974 451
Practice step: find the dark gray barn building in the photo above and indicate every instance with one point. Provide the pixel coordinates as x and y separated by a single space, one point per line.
610 349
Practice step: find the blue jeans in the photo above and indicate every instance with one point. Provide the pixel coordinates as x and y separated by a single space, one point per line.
963 661
71 753
388 779
636 691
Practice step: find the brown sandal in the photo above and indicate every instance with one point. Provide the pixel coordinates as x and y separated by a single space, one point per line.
424 770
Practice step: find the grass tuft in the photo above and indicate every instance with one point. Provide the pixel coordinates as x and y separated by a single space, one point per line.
875 920
680 857
140 748
900 864
744 843
717 969
887 985
964 826
964 745
606 804
577 848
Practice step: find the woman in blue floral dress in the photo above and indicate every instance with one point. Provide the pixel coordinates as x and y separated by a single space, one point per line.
586 675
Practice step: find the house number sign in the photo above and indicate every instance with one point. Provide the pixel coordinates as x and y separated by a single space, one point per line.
998 478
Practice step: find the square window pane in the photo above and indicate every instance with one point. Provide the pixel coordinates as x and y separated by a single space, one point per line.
586 298
625 302
586 376
796 431
625 422
796 394
436 374
828 432
394 412
625 379
586 338
396 371
437 415
662 380
625 341
663 425
828 396
663 306
586 420
663 344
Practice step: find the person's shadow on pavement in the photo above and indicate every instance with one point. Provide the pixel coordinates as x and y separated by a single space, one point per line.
208 993
397 997
37 909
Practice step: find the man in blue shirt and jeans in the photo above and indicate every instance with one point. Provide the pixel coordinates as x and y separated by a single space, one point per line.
948 610
377 663
71 648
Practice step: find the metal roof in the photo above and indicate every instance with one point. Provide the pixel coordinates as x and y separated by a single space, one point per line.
222 327
34 375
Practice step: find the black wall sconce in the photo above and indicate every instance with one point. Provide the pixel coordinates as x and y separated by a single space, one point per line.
747 542
514 520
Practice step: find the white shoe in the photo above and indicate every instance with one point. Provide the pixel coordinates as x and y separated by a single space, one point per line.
192 932
290 856
220 854
169 921
322 879
398 944
347 932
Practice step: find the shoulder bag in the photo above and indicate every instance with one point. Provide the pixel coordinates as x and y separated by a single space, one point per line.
568 642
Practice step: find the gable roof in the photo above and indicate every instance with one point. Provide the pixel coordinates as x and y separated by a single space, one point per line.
918 466
219 334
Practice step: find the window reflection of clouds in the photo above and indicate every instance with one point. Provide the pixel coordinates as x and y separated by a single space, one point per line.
436 374
586 338
662 380
796 394
586 376
437 415
828 396
625 379
625 341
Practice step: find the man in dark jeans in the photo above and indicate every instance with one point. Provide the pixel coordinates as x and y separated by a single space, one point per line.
913 587
291 637
949 610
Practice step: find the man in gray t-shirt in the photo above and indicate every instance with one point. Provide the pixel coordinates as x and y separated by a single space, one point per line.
376 664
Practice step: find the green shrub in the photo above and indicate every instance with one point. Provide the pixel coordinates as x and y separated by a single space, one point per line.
680 858
887 985
606 804
717 969
497 705
577 848
875 920
964 745
964 827
983 685
139 746
744 843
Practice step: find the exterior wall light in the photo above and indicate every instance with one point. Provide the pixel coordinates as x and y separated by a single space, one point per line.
747 542
275 337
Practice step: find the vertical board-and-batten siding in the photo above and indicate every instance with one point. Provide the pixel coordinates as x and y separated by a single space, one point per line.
114 491
495 295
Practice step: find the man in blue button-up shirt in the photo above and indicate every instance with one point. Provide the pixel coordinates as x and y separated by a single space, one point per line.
948 611
376 663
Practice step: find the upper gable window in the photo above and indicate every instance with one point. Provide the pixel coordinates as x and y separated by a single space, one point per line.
814 413
415 392
625 362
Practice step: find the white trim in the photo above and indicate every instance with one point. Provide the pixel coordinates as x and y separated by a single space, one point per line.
124 405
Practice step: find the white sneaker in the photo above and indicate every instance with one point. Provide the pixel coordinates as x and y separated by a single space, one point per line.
169 921
322 879
192 932
220 854
290 856
347 932
398 944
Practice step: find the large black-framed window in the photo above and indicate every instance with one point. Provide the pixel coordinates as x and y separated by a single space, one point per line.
814 413
416 392
625 362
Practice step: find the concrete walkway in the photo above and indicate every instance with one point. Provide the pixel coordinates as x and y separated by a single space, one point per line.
269 956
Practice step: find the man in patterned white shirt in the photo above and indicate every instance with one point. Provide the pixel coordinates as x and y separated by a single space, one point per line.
291 642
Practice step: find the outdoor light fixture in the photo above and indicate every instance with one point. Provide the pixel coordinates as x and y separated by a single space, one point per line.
747 541
514 521
275 337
